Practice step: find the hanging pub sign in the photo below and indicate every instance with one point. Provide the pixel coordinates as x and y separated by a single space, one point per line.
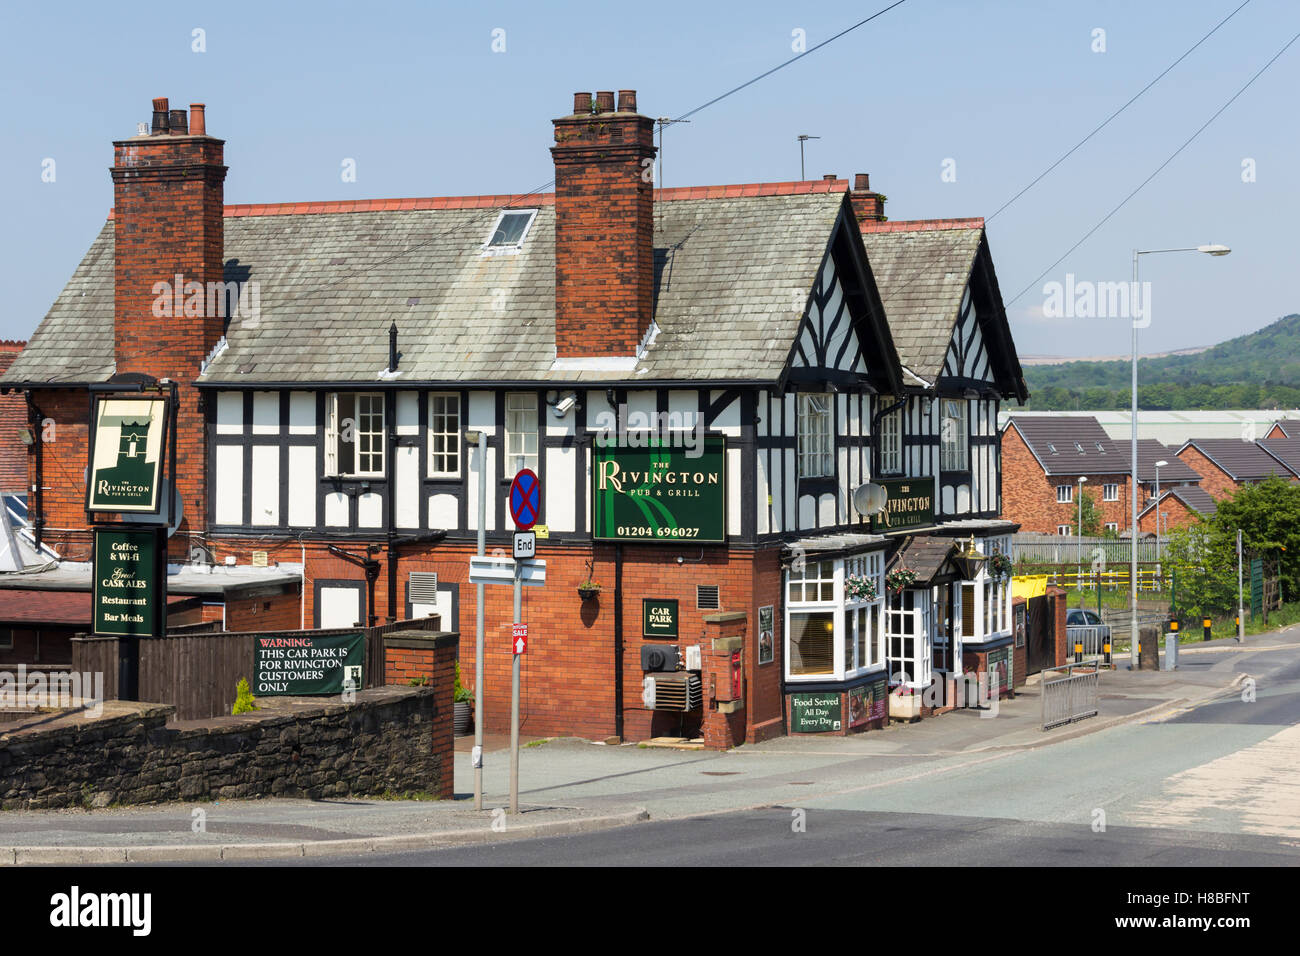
306 662
658 617
910 505
130 582
660 492
127 439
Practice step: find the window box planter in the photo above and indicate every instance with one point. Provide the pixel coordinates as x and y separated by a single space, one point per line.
904 706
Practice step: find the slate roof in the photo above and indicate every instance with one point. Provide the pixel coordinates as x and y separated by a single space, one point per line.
1101 455
333 276
925 554
1285 450
921 270
1241 460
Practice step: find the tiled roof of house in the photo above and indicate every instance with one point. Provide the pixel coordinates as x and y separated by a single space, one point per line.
1078 445
921 270
1241 460
1193 496
1290 427
332 277
1285 450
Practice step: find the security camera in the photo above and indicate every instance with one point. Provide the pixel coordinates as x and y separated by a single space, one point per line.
563 405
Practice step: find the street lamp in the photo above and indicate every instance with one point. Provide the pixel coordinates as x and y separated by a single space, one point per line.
1160 464
1213 250
1079 573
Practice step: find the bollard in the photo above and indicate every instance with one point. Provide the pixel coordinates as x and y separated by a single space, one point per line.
1149 649
1105 650
1207 624
1078 652
1171 651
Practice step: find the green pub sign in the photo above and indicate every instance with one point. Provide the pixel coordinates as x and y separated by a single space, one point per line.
304 663
910 505
815 713
658 617
659 492
128 593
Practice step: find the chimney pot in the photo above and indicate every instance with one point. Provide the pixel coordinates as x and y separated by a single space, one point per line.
861 182
179 123
581 103
627 101
830 177
605 101
160 124
198 125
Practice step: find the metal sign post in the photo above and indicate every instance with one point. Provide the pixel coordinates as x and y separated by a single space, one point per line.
525 507
476 755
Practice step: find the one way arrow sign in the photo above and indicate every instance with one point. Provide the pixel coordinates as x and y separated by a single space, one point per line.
520 638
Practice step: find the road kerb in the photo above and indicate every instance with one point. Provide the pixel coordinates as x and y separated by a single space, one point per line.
211 853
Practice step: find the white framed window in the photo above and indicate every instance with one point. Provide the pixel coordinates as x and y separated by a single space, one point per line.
891 440
952 435
509 231
1112 525
444 435
832 634
354 434
521 432
1110 492
907 625
816 442
1065 529
1064 494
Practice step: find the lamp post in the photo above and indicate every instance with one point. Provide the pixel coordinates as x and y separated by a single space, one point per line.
1078 574
1213 250
1160 464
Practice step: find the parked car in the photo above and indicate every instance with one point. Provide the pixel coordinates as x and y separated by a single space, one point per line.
1077 617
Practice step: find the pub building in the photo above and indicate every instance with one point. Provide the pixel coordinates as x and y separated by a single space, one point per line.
704 380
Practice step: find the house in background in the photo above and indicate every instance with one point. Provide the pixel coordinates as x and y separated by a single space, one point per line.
800 344
1227 464
1044 456
1285 428
1176 507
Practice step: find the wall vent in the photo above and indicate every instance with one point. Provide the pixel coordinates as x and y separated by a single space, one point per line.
423 588
706 597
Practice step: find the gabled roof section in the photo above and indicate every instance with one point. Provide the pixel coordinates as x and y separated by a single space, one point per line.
332 277
1285 450
1151 451
923 269
1196 499
1289 427
1070 445
1240 460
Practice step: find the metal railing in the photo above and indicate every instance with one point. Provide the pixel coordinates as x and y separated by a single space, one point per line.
1069 693
1072 577
1092 637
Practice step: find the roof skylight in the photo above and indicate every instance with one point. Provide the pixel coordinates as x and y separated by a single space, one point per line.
510 230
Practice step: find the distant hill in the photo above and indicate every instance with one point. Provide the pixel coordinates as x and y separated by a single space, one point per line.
1258 370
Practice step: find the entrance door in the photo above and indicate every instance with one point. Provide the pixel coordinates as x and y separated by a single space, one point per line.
1039 635
339 606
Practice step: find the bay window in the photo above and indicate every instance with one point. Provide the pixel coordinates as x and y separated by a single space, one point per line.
833 618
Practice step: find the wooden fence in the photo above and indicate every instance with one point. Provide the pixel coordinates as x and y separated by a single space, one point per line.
197 671
1068 549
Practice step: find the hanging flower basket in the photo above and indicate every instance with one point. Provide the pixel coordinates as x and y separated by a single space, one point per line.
900 578
588 590
1000 566
859 587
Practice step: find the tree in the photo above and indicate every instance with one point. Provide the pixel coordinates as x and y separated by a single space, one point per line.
1204 567
1268 514
1091 523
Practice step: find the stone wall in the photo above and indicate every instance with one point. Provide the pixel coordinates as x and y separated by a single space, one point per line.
292 747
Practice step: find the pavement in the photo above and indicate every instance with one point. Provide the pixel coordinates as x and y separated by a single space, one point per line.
573 786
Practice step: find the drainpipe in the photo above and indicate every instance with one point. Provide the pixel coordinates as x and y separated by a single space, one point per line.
618 641
37 510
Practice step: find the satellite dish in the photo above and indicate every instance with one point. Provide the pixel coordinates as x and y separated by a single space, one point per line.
178 507
869 499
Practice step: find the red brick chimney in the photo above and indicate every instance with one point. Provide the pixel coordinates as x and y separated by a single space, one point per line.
168 247
869 206
604 226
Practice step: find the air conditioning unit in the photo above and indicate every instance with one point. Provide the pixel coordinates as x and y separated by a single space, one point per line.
659 657
694 658
680 690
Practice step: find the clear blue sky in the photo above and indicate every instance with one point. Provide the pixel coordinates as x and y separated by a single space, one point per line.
415 94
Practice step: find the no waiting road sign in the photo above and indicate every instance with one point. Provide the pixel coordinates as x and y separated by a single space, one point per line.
525 499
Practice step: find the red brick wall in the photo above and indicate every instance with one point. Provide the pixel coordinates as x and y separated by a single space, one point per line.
1029 495
279 612
604 231
435 660
1178 516
13 415
1214 479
